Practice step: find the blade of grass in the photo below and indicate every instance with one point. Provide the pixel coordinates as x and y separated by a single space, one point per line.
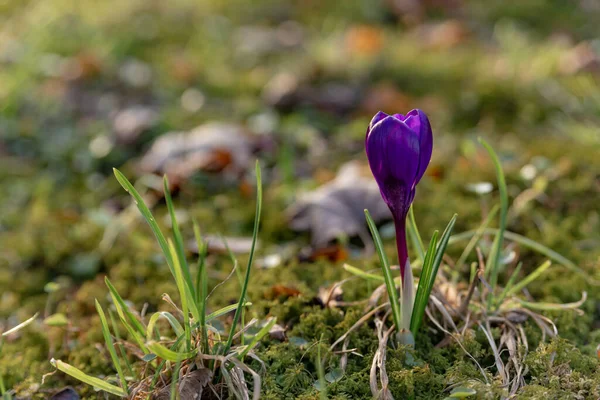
162 241
321 373
177 328
201 285
160 367
180 282
509 284
264 331
110 346
415 236
145 211
428 277
20 326
171 355
174 381
85 378
362 274
554 306
250 258
225 310
533 245
493 261
132 325
422 297
122 308
122 350
477 237
240 276
178 239
387 272
529 278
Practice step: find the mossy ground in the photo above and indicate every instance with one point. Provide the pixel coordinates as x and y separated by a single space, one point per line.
505 79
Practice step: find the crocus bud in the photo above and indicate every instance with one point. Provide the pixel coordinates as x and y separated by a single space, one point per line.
399 150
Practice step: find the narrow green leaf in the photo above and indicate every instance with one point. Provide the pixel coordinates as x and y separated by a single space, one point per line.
227 309
362 274
509 284
179 280
533 245
493 261
202 285
120 345
475 239
259 335
178 239
250 258
422 297
110 346
170 355
124 313
85 378
554 306
177 328
131 323
387 271
415 236
529 278
321 373
431 274
139 201
174 382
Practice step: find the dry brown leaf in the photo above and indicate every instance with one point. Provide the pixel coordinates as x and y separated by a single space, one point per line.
213 147
190 387
337 208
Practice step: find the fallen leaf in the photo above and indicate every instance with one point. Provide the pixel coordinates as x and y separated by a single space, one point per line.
329 296
285 93
213 147
277 332
190 386
336 209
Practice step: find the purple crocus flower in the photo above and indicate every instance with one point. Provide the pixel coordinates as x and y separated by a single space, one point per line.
399 150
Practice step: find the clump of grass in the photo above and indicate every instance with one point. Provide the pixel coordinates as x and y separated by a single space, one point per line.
196 359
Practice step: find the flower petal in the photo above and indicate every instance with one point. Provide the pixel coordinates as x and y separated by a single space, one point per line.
393 153
418 121
378 117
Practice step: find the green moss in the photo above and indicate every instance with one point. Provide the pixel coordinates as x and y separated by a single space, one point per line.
558 369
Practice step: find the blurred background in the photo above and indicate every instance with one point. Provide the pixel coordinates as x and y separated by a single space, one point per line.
201 89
